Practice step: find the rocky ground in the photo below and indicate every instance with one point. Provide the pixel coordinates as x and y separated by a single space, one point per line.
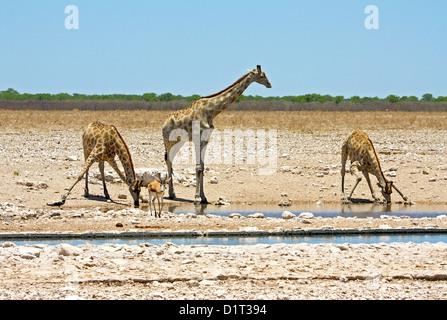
302 271
38 164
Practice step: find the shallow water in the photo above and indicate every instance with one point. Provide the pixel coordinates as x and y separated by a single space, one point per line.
354 239
359 210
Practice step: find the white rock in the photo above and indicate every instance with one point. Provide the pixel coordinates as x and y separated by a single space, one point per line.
306 215
235 216
222 201
248 229
257 215
391 174
214 180
285 169
207 283
284 203
187 261
68 250
7 244
288 215
29 252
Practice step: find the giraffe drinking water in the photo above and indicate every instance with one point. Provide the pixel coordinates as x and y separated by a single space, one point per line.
359 148
102 143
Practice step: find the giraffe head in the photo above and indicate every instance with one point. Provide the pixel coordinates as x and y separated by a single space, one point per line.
259 76
135 189
387 189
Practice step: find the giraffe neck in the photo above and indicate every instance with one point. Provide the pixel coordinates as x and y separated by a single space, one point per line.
125 158
218 102
377 169
380 176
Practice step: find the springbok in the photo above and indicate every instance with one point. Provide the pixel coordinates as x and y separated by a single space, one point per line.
156 189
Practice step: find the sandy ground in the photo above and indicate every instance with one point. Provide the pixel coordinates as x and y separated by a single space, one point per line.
40 162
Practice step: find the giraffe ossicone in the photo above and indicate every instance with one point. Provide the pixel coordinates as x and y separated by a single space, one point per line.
102 143
192 121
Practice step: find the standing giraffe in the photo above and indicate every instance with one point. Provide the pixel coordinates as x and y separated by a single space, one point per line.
197 118
359 148
101 143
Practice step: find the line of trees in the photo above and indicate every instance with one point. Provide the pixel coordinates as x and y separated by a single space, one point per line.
11 94
13 100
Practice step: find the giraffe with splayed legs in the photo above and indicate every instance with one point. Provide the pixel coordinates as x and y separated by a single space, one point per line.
102 143
359 148
197 119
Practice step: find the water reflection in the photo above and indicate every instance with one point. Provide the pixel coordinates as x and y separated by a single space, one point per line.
230 241
359 210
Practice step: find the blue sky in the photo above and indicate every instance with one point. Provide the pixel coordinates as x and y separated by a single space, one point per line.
200 47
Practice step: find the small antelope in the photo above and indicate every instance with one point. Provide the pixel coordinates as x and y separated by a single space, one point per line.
156 188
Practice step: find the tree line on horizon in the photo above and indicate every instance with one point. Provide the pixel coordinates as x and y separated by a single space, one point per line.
11 94
12 100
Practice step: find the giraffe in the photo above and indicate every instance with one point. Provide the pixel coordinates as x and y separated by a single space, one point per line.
197 122
359 148
102 143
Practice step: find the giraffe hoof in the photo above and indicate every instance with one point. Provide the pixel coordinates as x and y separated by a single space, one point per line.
56 204
345 200
201 201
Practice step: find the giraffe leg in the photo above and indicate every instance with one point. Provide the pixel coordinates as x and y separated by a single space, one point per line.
355 171
368 180
114 165
86 194
344 157
200 168
405 198
171 182
87 153
172 146
90 160
169 159
101 169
